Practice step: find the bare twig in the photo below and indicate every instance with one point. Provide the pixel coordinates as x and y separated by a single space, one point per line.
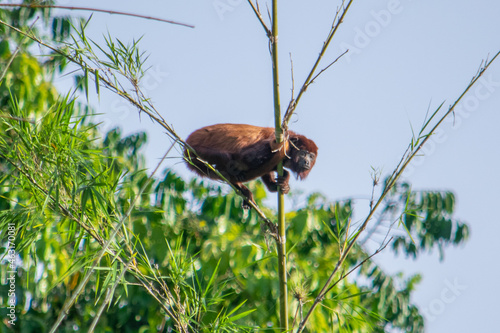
376 180
31 121
297 312
337 20
291 104
344 275
257 13
324 69
99 10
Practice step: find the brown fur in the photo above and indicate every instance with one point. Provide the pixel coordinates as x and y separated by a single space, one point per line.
244 152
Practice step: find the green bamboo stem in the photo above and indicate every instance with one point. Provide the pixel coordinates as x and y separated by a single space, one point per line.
281 239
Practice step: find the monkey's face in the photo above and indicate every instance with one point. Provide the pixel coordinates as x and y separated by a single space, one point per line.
301 162
304 160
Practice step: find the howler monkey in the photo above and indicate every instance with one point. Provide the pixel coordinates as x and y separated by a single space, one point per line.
244 152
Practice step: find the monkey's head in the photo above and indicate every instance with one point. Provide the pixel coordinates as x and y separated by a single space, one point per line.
302 155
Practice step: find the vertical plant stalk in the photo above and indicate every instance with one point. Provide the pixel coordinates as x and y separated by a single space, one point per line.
281 239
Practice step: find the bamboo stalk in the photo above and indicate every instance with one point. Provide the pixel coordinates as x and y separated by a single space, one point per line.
281 239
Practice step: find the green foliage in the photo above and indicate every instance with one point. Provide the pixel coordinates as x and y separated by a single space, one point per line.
429 216
25 18
195 237
26 81
68 194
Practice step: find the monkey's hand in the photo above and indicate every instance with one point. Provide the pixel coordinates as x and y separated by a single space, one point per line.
282 183
274 184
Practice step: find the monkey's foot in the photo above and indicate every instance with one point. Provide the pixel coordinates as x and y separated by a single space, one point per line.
245 205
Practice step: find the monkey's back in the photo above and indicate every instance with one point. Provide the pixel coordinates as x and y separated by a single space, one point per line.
240 152
229 137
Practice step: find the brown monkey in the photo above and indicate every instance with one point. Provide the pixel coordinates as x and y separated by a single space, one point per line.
244 152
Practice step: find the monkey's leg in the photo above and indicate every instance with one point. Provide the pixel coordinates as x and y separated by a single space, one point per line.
247 193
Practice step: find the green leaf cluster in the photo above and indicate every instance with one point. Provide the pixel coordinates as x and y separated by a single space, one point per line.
429 216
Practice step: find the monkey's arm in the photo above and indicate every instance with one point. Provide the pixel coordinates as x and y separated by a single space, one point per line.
273 184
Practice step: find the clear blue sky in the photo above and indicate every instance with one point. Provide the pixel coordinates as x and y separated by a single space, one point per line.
404 56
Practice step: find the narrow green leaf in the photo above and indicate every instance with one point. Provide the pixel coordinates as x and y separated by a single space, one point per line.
97 86
237 307
86 82
241 315
212 278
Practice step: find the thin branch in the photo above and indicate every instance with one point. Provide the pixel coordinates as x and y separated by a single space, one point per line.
337 20
410 153
376 180
31 121
343 276
299 306
324 69
100 11
259 16
291 104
